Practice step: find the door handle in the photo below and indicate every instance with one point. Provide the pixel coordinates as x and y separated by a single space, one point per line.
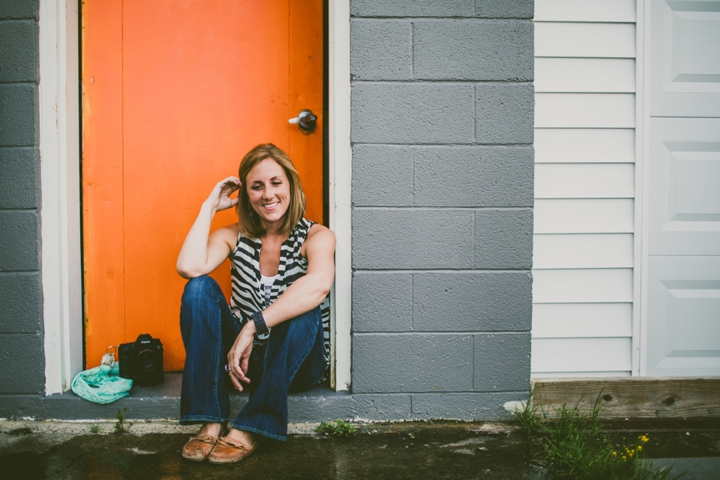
306 120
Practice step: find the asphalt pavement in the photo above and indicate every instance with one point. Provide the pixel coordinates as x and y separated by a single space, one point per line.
410 450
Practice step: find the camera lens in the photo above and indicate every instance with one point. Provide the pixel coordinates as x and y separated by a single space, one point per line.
148 361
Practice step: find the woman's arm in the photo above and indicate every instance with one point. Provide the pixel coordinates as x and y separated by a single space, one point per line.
306 293
203 252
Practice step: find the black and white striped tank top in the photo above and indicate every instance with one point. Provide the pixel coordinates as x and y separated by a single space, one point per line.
248 293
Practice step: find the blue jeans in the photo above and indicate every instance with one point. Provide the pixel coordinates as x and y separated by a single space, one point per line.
291 360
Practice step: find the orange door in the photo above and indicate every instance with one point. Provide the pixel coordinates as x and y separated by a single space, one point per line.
175 92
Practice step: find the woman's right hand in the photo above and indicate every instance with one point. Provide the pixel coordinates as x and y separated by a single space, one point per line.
202 252
219 198
239 356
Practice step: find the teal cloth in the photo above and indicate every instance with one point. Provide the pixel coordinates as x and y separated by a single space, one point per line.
102 384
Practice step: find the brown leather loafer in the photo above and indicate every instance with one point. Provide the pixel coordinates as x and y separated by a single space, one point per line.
198 448
228 450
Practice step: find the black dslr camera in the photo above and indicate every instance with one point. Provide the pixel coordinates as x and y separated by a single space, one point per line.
142 360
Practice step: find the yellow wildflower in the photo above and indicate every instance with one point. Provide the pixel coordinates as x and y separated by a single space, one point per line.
639 448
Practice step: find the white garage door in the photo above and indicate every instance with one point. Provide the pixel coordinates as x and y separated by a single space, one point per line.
683 242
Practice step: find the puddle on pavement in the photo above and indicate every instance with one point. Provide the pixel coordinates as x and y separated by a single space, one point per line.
388 451
690 446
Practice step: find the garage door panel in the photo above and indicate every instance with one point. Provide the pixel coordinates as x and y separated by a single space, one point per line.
685 79
684 301
684 180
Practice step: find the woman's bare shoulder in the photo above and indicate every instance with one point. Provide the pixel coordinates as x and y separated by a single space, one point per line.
320 236
228 233
319 229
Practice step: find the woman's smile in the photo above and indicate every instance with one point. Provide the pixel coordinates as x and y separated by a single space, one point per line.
268 189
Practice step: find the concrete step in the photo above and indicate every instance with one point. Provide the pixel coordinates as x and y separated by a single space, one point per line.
163 402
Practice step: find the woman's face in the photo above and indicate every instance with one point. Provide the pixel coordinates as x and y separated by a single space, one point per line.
268 189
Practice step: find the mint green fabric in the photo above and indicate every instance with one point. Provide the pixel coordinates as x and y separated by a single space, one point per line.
101 384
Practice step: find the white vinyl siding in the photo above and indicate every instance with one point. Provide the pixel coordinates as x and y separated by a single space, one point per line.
583 216
583 251
585 75
584 110
584 188
583 286
574 145
591 180
583 40
575 320
582 355
585 11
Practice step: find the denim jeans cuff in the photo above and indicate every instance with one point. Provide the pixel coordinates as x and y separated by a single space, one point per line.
264 433
193 419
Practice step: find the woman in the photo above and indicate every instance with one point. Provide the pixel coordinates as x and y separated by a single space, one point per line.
282 271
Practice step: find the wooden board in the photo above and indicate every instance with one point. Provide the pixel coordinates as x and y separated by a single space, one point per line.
634 397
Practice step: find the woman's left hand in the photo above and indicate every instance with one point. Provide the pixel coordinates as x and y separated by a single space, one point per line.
239 356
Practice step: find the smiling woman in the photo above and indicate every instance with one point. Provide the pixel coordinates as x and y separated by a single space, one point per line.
264 169
272 338
269 190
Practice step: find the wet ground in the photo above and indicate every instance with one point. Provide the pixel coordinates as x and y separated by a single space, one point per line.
425 450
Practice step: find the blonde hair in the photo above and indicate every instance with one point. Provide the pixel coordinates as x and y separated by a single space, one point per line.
248 220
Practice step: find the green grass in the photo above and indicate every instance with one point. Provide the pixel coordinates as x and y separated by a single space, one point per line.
94 428
338 428
120 425
574 445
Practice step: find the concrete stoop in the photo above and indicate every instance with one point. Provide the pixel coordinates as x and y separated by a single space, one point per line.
158 402
162 402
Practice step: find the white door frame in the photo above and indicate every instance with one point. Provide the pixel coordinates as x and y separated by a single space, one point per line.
340 172
61 268
59 134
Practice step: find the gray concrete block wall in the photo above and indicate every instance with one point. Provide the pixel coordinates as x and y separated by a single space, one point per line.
442 113
442 132
21 338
